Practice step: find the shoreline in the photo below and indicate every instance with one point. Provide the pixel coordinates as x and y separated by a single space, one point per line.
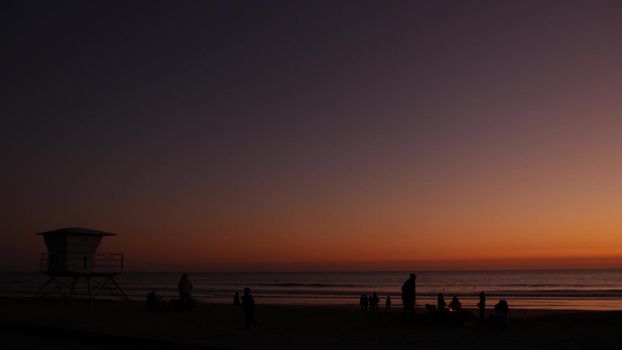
546 289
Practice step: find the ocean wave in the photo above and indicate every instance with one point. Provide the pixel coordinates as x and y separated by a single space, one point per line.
315 285
522 285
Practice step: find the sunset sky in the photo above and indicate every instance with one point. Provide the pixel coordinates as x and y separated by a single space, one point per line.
315 135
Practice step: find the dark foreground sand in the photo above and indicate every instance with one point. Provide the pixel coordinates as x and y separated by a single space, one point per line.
38 324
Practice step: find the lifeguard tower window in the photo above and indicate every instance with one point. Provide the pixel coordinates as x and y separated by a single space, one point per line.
72 256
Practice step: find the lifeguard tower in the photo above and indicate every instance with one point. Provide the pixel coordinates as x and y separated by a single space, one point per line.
72 263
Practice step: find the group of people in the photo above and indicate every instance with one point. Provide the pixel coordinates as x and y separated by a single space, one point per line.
185 301
454 306
248 307
498 318
367 302
409 295
370 302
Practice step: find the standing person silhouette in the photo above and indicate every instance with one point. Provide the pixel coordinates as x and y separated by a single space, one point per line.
388 303
153 301
374 301
248 309
482 306
184 287
409 289
440 302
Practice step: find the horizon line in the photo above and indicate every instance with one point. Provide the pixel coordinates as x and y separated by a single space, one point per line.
534 269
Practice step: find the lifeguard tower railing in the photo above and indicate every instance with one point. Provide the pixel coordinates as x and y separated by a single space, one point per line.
78 264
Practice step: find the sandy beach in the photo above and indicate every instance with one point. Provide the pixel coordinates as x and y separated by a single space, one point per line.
30 323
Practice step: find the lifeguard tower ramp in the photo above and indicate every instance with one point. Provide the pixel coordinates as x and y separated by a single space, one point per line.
74 267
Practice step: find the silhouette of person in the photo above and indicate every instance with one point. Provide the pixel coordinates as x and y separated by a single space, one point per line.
501 314
236 298
440 302
455 304
502 307
482 306
387 303
153 301
248 309
184 286
409 289
374 301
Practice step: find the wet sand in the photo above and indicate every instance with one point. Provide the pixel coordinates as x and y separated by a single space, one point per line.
31 323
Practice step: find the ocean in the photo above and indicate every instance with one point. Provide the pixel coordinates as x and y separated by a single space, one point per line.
525 289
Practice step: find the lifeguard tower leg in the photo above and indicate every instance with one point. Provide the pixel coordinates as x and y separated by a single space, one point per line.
88 284
73 284
40 291
121 292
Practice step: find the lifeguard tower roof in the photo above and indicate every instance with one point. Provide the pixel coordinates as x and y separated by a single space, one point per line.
77 231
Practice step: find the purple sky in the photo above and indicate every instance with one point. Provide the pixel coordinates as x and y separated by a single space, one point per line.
307 125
